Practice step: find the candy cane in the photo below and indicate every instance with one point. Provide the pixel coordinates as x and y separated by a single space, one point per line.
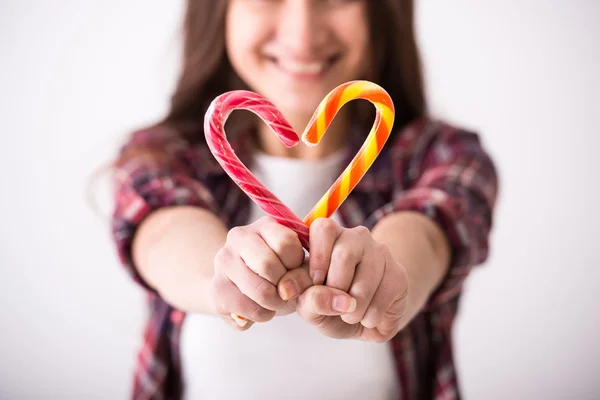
222 106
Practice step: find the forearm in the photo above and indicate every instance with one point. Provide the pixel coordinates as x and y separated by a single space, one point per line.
174 250
420 246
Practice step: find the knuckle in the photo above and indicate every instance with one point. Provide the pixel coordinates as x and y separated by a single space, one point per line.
281 247
222 258
383 250
266 267
343 255
233 302
260 314
235 233
324 226
372 320
361 231
361 292
288 241
320 259
398 275
289 250
376 311
404 287
265 220
264 292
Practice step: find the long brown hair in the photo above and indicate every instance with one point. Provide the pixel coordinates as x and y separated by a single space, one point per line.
206 71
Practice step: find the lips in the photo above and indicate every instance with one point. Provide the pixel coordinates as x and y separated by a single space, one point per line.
305 69
302 67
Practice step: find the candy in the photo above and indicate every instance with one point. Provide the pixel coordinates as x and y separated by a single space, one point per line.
366 155
214 122
222 106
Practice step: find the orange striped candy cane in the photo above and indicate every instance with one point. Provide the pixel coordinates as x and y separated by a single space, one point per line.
378 136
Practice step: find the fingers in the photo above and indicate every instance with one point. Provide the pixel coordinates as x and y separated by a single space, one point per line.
360 266
283 241
367 280
319 306
257 255
348 252
294 283
325 301
388 305
250 284
232 300
324 232
249 267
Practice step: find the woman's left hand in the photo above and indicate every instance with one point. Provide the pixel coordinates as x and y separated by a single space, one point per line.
365 294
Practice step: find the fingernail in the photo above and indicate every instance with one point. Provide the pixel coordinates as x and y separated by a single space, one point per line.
344 304
241 321
289 289
318 278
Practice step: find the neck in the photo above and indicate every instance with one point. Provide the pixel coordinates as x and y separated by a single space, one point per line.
333 140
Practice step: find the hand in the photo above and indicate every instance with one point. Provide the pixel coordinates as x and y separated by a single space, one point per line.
257 274
366 290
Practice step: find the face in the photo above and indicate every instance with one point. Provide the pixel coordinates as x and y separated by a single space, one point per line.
295 51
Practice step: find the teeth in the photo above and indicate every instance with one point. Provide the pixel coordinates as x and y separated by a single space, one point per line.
302 68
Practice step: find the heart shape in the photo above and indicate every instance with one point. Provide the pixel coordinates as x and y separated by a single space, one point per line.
222 106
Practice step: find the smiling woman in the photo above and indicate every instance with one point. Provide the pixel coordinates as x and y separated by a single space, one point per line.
295 52
208 68
369 313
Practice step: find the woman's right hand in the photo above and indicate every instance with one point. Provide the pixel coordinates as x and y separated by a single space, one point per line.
249 268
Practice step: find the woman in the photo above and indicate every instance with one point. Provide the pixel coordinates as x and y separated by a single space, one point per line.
369 313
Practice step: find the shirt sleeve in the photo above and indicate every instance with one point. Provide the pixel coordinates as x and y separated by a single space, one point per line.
155 171
455 183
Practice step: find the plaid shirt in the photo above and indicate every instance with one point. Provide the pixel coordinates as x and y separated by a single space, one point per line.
429 167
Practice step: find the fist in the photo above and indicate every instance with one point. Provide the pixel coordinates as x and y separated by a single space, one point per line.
258 273
360 291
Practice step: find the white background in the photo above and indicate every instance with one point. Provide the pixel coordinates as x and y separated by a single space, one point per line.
75 76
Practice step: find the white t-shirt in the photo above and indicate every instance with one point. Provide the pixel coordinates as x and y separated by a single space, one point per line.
285 358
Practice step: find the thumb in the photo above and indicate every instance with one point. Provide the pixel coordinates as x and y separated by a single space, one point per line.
294 282
322 300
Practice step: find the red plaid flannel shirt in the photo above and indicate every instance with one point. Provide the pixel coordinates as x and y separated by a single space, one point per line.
429 166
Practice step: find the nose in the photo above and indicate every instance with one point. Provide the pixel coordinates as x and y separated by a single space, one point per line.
300 27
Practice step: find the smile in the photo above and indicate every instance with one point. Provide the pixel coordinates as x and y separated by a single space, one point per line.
304 70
